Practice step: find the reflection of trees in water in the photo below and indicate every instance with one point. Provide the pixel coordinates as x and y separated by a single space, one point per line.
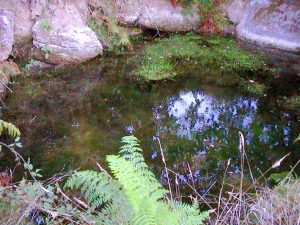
205 131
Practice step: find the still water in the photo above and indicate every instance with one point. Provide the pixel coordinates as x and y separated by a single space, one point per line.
73 117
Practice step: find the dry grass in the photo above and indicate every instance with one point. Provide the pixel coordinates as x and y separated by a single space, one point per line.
278 206
252 202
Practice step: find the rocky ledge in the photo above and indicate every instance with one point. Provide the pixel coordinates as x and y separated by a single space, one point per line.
58 31
268 22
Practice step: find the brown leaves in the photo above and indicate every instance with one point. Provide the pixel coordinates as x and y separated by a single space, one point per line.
5 179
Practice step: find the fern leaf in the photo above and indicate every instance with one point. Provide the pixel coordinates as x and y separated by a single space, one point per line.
13 131
187 214
103 193
134 196
144 193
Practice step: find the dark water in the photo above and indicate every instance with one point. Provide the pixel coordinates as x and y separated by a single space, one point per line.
72 118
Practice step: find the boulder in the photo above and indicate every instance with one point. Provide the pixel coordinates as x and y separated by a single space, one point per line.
21 17
270 22
62 36
158 15
6 34
7 70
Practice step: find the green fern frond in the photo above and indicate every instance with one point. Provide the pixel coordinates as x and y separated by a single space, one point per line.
97 188
104 194
13 131
132 151
132 178
144 193
135 196
189 214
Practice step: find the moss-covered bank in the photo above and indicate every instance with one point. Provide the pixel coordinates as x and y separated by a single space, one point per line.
225 63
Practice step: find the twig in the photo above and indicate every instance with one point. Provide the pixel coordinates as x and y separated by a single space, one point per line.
221 190
165 164
19 156
242 150
6 86
190 186
103 170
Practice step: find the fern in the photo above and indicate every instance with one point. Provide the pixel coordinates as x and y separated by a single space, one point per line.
134 196
13 131
103 193
187 214
144 193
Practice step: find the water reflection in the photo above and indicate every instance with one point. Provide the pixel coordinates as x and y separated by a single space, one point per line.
205 130
72 118
195 111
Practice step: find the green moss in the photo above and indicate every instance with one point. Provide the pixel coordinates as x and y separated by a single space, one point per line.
104 23
216 53
253 87
292 102
157 70
111 35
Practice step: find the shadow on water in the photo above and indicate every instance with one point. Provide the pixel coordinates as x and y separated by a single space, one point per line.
72 117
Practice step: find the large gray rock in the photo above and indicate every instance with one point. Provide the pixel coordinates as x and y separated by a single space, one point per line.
271 22
63 37
6 34
21 16
157 14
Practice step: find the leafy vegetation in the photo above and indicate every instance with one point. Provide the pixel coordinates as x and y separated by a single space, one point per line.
45 25
13 131
212 19
103 22
291 102
134 196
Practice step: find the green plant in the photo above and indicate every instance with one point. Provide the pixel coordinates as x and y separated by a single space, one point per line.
46 49
212 19
13 131
45 25
219 54
105 25
253 87
30 63
134 196
291 102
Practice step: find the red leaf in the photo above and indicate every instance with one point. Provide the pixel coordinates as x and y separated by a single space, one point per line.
174 3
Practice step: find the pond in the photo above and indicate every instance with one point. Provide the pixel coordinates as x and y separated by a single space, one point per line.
73 117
